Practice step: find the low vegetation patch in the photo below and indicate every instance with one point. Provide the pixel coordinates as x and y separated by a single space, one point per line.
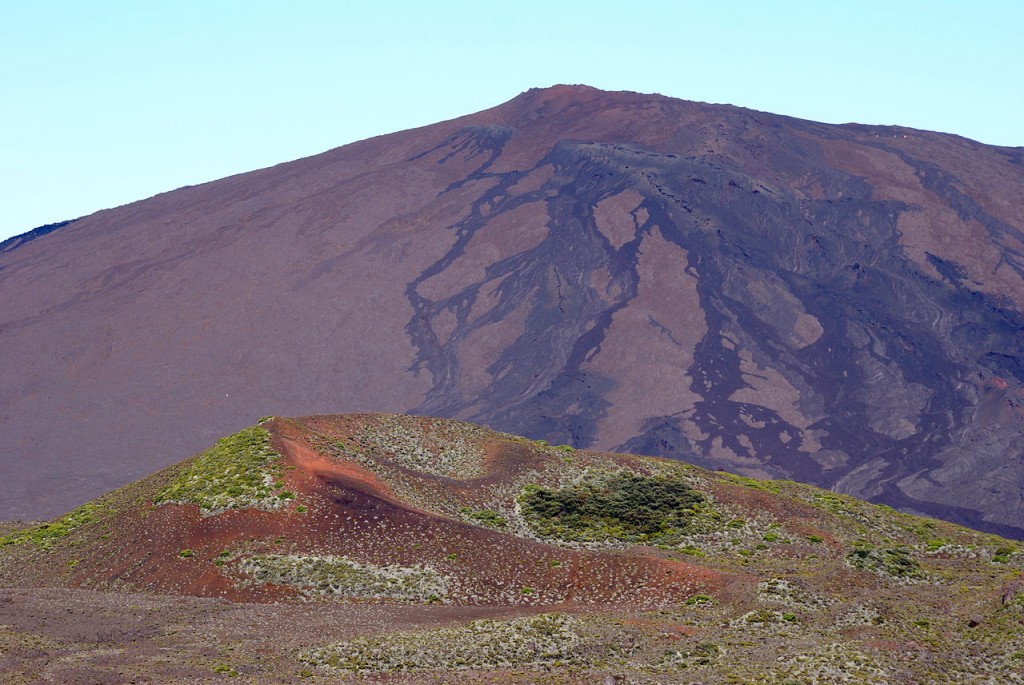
546 639
616 505
765 619
487 517
331 575
1002 554
701 655
239 471
699 600
781 591
771 486
443 448
894 562
834 663
45 535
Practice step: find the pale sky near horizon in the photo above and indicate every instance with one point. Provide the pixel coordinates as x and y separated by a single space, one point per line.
107 102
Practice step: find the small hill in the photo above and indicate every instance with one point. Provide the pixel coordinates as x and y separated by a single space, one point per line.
418 548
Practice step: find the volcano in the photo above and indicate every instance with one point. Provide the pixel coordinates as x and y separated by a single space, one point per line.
839 305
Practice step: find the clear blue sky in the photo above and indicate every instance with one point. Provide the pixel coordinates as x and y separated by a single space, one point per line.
104 102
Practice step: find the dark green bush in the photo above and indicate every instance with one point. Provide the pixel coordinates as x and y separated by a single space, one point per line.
891 561
620 505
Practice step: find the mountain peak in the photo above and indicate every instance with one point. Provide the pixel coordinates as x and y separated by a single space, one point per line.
565 89
561 98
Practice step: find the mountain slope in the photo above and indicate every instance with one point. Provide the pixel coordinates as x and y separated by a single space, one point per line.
841 305
420 548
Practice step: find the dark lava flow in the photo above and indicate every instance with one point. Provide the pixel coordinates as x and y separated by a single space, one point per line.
879 360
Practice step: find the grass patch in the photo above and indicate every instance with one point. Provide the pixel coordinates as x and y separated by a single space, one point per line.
699 600
45 535
703 655
833 503
331 575
238 471
1002 555
443 448
487 517
546 639
771 486
895 562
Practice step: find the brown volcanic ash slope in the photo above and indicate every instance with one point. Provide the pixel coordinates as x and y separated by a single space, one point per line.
836 304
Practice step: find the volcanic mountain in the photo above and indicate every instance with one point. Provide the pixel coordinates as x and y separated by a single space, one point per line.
419 549
841 305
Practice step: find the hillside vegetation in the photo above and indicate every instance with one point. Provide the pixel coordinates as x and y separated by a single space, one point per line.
503 559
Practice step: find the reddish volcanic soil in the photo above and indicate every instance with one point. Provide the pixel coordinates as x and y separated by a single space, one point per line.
352 513
136 597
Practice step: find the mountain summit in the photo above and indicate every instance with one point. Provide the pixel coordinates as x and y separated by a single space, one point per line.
841 305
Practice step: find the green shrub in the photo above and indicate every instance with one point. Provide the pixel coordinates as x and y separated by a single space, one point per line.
487 517
45 535
702 655
545 639
765 485
332 575
891 561
618 505
238 471
1002 555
